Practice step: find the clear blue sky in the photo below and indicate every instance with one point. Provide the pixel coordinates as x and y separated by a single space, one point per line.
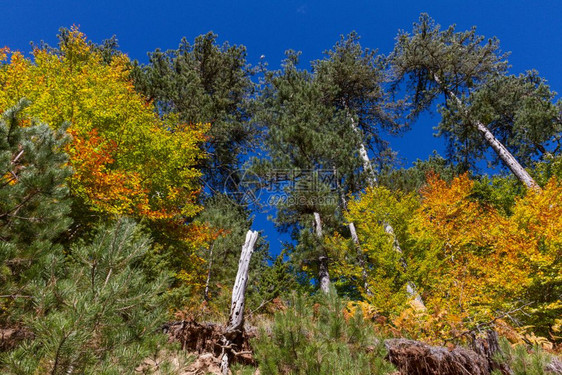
531 30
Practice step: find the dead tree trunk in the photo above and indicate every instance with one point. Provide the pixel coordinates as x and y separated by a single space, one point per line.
410 286
489 348
502 152
372 182
323 274
235 327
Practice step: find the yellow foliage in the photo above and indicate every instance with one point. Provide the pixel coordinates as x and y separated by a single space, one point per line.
146 167
470 262
376 256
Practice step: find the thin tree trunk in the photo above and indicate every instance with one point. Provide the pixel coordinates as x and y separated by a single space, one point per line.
506 156
323 274
360 254
235 327
367 166
502 152
372 182
410 286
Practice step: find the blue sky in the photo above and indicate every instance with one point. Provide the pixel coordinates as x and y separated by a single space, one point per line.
531 30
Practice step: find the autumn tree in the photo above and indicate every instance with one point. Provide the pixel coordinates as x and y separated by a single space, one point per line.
389 271
491 259
127 160
474 262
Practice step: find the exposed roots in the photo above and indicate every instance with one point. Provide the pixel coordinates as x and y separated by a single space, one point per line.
210 338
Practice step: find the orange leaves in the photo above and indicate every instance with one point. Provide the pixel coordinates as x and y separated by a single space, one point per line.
127 160
488 260
106 189
470 261
453 216
4 53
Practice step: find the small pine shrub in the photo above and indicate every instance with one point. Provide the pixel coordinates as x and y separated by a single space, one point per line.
523 360
94 310
319 338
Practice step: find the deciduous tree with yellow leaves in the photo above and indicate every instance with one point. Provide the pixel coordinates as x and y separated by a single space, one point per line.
126 159
473 263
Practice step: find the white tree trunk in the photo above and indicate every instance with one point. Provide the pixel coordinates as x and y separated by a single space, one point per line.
503 153
372 181
360 254
323 274
410 286
506 156
367 166
236 319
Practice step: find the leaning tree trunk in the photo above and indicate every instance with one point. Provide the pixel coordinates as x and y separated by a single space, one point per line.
355 238
360 254
506 156
323 274
503 153
372 182
235 328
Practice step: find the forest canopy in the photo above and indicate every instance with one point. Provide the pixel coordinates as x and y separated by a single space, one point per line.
127 190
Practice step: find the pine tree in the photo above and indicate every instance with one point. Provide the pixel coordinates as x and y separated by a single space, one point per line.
94 310
34 207
204 82
319 337
483 106
354 79
303 136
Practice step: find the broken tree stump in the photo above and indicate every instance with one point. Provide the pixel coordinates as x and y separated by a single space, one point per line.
233 335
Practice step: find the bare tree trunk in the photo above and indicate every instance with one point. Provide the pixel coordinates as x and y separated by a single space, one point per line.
360 254
367 166
502 152
235 327
372 181
323 274
506 156
410 286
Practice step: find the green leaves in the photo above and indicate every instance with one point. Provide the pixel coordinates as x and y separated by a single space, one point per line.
204 82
